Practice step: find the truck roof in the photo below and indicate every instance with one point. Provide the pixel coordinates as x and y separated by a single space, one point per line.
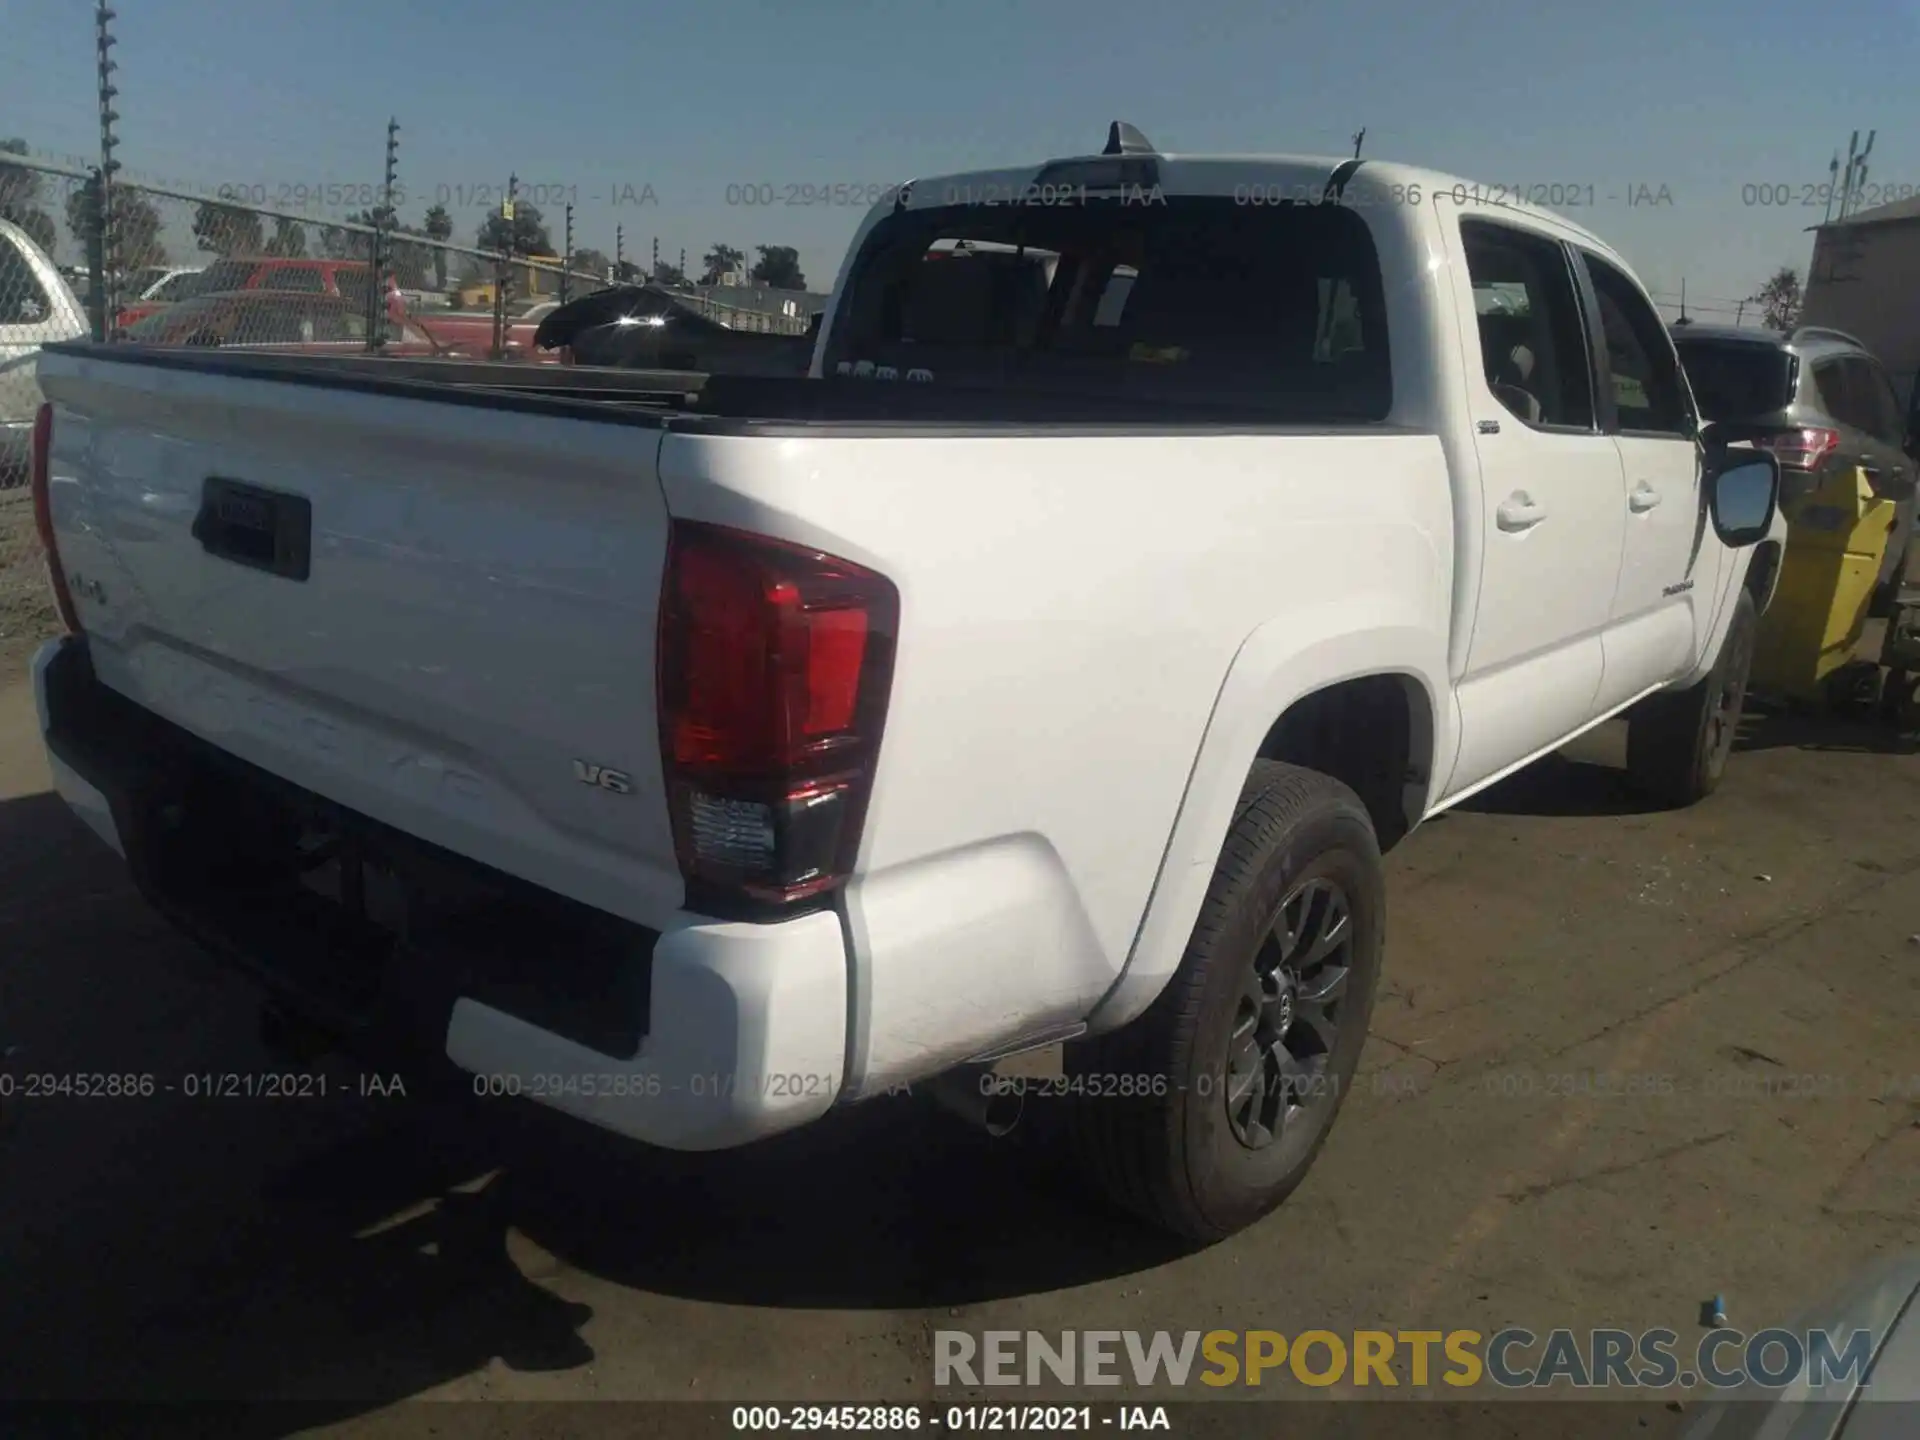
1221 173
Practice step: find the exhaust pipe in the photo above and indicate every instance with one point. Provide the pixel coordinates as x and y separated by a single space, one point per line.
980 1098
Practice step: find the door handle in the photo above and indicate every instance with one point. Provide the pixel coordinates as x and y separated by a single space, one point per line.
1518 512
1643 498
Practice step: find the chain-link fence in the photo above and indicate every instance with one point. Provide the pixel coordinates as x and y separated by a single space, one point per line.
166 266
171 267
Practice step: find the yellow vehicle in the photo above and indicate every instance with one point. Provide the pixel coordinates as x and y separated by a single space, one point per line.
1836 543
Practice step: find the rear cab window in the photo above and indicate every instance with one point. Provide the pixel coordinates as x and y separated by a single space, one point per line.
1189 299
1737 379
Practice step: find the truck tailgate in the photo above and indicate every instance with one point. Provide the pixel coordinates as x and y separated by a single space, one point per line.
471 649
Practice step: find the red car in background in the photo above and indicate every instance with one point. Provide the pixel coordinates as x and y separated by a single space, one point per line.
276 320
472 330
279 273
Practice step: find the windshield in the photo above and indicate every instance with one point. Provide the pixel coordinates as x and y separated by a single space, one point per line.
1193 299
1737 379
163 323
175 287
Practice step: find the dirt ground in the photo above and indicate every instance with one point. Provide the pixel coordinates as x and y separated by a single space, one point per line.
359 1253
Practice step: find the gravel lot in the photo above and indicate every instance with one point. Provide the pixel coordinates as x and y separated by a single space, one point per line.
356 1254
26 608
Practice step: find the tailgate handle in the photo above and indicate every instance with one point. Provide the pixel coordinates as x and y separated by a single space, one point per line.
261 529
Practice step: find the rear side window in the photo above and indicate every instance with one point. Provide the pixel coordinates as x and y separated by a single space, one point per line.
1735 380
335 324
302 281
272 324
1531 345
1872 396
23 300
1843 396
1188 299
1641 364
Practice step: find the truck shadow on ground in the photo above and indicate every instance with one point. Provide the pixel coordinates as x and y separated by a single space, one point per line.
1564 785
362 1250
1832 732
1559 785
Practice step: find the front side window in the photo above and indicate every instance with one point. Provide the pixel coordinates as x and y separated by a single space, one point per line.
1640 363
1531 346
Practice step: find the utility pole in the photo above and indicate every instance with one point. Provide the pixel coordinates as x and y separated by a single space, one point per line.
1860 174
503 275
1683 300
1846 175
683 264
654 273
620 252
1833 184
566 262
106 286
380 265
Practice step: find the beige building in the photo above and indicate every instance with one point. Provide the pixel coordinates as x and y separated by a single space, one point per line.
1865 279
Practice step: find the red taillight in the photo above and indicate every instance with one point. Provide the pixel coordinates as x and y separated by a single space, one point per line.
42 464
775 664
1801 449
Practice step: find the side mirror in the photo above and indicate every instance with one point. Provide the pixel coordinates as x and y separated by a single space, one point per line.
1743 493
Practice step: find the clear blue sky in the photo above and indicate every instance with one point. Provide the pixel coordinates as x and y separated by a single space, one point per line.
1703 98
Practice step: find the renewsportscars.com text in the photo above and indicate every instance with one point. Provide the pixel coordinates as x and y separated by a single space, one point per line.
1510 1359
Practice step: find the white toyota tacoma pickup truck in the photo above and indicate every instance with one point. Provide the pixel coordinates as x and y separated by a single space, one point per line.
1156 540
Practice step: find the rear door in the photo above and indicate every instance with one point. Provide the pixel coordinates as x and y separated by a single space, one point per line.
1553 508
1664 599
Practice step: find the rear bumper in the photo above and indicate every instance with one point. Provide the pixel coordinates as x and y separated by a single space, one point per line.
700 1036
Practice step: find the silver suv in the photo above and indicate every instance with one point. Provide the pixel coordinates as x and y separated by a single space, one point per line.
1831 405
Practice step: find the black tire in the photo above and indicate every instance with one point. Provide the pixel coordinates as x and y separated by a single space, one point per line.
1678 741
1184 1159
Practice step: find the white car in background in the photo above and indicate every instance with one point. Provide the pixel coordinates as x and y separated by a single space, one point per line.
37 307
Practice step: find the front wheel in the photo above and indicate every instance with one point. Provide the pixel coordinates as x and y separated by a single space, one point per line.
1250 1049
1678 741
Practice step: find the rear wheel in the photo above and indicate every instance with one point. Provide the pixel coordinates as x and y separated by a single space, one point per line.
1204 1113
1678 741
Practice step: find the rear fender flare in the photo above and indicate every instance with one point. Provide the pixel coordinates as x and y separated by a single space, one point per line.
1275 668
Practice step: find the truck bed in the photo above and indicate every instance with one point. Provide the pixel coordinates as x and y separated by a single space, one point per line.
722 404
